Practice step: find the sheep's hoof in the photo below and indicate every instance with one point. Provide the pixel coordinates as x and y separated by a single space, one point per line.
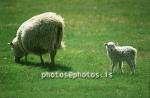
52 63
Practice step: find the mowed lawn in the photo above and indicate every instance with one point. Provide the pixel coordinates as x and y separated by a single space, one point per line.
88 25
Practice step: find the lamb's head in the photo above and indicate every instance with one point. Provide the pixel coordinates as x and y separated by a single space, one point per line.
18 53
110 46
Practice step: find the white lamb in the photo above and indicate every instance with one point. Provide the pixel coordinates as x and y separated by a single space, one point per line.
40 34
118 54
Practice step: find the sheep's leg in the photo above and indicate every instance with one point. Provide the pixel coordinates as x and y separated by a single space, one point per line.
52 55
26 58
113 65
42 61
121 66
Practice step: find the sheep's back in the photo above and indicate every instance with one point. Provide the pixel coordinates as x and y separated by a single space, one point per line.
39 33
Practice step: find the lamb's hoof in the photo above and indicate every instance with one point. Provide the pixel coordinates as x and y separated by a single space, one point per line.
17 60
122 72
112 72
42 63
133 74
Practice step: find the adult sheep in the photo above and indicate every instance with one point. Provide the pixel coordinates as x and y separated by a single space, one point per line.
39 35
118 54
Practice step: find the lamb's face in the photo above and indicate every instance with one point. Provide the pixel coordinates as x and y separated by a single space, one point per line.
110 46
16 51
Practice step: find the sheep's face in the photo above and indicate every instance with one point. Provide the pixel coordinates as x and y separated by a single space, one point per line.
110 46
16 51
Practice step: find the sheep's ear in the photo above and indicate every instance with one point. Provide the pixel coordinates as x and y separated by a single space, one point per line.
105 44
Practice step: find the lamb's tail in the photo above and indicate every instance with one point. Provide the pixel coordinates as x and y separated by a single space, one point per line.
134 52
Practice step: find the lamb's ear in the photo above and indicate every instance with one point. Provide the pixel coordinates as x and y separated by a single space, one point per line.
116 43
105 44
11 44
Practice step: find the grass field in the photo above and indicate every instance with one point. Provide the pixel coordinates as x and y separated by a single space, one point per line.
89 24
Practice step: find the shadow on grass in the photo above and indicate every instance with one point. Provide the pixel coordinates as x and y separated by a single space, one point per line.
47 65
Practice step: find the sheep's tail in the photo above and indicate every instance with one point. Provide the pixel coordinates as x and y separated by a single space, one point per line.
60 42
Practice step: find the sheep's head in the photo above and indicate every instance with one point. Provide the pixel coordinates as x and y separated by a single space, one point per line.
110 46
16 50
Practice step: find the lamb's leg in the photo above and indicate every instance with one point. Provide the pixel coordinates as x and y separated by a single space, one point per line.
52 55
121 66
42 61
17 59
134 63
129 62
113 65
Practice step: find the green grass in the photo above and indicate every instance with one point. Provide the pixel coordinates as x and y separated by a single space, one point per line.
89 23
